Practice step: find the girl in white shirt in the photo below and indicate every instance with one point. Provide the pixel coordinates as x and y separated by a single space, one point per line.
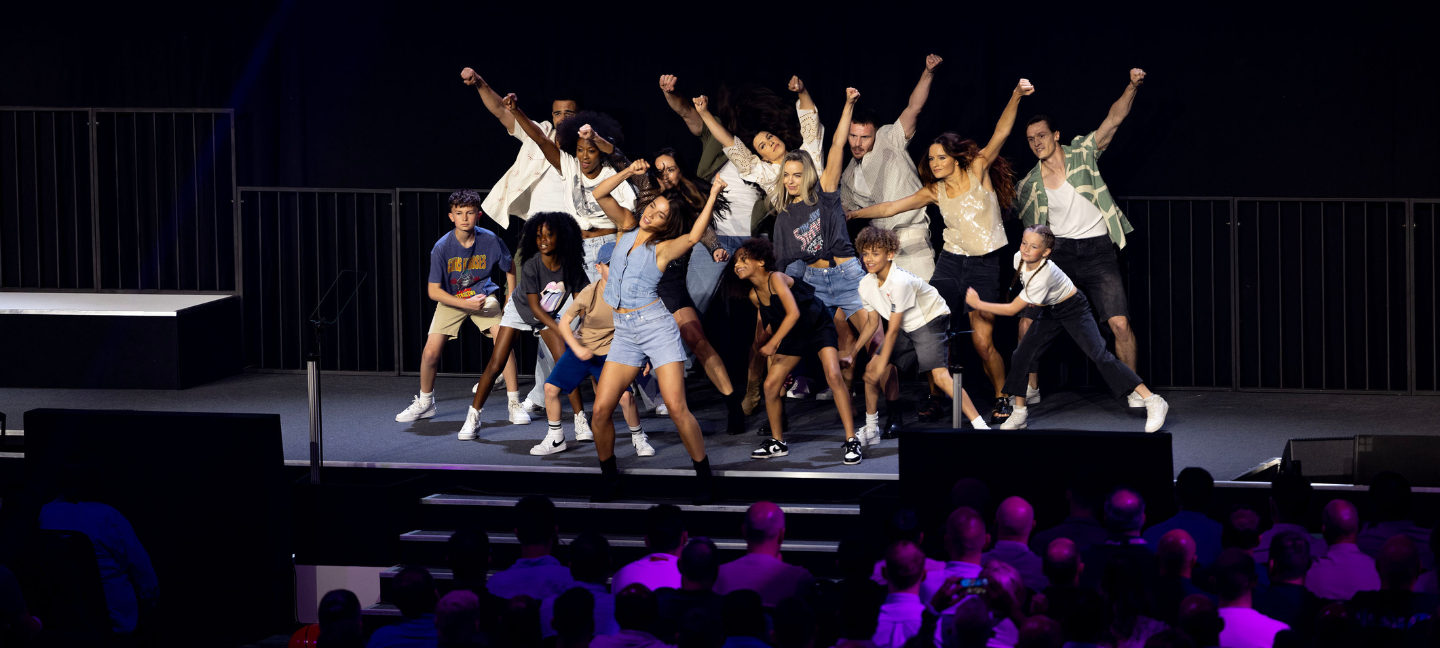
1061 306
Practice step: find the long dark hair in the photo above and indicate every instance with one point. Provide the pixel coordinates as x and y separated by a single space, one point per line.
749 109
567 246
754 249
1002 177
680 219
695 190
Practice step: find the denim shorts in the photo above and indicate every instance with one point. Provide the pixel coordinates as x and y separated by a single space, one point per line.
510 318
1095 268
838 286
955 273
570 371
650 332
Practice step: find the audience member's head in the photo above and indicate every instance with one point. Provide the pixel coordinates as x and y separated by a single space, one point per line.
1015 520
699 564
635 608
1340 521
1004 585
1085 491
904 524
1199 619
1234 573
535 521
1333 626
965 536
700 628
520 622
1398 564
574 615
904 566
1062 563
856 556
1176 553
1170 638
1390 493
970 492
468 554
1125 512
1289 558
764 525
743 614
340 624
414 591
970 627
457 618
1241 529
1290 498
664 529
1126 589
795 624
1193 489
1085 622
1040 632
590 558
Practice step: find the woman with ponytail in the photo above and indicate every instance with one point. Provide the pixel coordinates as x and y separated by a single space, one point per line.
972 186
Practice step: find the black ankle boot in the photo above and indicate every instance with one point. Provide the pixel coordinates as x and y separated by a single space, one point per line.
609 487
893 420
734 413
705 483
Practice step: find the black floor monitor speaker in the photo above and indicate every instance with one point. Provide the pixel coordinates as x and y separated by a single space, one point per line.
1322 460
1357 459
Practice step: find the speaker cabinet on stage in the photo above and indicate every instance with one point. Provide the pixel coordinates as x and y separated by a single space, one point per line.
1357 459
1036 465
1322 460
207 496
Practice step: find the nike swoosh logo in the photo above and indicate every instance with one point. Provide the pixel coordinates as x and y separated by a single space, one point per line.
556 444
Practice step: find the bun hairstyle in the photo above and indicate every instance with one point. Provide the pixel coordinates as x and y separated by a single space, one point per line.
964 151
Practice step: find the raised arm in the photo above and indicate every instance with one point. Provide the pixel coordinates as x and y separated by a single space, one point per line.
588 133
798 87
680 106
921 198
672 249
1007 122
623 218
551 151
490 97
1118 110
702 108
830 177
918 96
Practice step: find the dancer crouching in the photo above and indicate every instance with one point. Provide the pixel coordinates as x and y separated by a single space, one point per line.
643 327
1062 306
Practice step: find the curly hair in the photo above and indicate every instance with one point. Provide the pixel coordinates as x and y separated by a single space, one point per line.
750 109
464 198
754 249
604 125
878 239
964 151
695 190
567 246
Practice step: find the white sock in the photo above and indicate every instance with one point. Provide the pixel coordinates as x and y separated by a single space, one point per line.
427 396
514 397
1019 409
979 423
872 419
555 429
635 429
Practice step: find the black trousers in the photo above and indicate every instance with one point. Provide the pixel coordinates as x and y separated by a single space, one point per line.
1074 317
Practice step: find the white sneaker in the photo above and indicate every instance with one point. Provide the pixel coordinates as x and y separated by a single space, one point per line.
530 406
661 410
800 389
868 434
642 444
1016 421
517 414
552 444
1133 400
1155 410
418 409
824 395
499 384
472 423
1032 395
582 429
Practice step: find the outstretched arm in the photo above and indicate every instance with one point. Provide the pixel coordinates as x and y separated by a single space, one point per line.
916 200
1011 309
702 108
623 218
918 96
551 151
490 97
1118 110
830 178
681 107
588 133
1007 122
798 87
670 250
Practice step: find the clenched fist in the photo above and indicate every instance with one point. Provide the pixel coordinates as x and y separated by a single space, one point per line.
796 85
702 103
851 95
509 101
1024 88
1137 77
931 62
667 82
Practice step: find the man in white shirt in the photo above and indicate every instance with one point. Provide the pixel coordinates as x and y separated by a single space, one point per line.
1014 521
761 568
881 170
1234 573
901 615
965 540
1344 570
665 536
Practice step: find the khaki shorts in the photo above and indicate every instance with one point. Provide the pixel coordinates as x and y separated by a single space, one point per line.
447 318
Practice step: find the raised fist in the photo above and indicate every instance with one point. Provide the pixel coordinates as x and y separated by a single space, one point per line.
667 82
509 101
470 78
585 132
702 103
718 185
932 61
796 85
851 95
1137 77
638 167
1024 88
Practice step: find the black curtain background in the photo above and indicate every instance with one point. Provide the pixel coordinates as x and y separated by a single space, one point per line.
1240 100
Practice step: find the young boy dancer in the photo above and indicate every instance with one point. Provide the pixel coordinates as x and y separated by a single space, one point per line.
461 265
1062 306
917 320
585 356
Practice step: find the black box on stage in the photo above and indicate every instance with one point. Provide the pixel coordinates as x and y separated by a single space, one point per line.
1036 465
354 524
1328 460
208 498
1357 459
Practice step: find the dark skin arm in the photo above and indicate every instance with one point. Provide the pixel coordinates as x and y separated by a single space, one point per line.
551 151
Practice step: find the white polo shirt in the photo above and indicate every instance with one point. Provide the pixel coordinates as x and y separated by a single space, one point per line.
654 571
904 293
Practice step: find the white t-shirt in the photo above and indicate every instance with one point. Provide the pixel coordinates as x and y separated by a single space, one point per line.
742 199
654 571
1046 285
903 293
582 202
1072 216
549 194
1246 628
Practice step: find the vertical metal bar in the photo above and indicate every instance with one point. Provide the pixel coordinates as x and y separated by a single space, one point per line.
317 443
55 183
1301 281
1410 296
1387 296
175 200
135 188
1214 331
74 200
1234 295
1344 300
395 291
1259 316
299 277
195 193
1279 284
1324 308
94 164
375 263
1365 285
237 242
155 176
1169 288
35 184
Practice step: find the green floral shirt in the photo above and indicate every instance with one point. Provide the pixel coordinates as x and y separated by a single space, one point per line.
1083 173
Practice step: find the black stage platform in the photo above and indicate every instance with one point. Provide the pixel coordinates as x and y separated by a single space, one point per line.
1225 432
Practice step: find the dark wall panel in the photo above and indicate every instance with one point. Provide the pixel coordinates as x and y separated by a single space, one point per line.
1427 295
45 222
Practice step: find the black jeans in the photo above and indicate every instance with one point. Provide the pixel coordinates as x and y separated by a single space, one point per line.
1073 315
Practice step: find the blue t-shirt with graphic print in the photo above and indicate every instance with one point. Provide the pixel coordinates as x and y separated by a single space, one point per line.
465 272
810 233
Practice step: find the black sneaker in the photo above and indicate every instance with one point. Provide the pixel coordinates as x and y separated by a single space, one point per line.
770 448
893 423
1004 405
852 451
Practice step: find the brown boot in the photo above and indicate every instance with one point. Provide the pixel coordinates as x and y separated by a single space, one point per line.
752 397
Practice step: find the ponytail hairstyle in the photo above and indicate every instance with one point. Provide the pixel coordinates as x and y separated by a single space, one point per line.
754 249
567 246
965 151
809 180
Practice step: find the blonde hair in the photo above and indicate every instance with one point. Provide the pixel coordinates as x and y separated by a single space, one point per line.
779 198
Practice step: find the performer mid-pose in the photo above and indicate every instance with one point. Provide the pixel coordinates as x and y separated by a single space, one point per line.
1062 307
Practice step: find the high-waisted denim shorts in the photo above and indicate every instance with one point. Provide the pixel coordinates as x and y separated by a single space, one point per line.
838 286
650 332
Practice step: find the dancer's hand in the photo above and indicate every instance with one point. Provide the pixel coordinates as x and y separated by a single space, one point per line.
1137 77
931 62
470 78
646 370
717 186
667 83
720 255
583 353
851 95
1024 88
509 101
948 595
475 303
702 103
769 349
846 361
796 85
972 298
638 167
586 132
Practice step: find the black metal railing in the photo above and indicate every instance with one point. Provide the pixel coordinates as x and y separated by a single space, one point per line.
46 225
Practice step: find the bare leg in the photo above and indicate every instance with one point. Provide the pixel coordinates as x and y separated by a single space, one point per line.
831 359
1025 326
694 335
672 387
552 403
512 378
984 326
942 378
627 406
780 368
503 340
846 337
614 379
430 360
556 344
1125 344
757 370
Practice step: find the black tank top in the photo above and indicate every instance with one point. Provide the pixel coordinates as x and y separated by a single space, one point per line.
811 310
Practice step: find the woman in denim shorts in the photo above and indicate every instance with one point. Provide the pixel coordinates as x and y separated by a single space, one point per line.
666 228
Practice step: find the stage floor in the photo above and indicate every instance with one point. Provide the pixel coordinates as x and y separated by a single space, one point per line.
1225 432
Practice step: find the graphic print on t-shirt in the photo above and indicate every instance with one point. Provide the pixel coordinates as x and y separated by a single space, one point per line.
584 200
551 296
809 234
461 284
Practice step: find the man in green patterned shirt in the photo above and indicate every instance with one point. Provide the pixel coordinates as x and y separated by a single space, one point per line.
1066 192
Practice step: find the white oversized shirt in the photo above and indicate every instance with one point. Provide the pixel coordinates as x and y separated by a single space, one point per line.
885 173
763 173
512 194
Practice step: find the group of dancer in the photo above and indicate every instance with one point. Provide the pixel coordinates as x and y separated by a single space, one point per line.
619 260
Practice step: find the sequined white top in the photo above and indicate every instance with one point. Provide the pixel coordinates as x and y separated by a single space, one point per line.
972 220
